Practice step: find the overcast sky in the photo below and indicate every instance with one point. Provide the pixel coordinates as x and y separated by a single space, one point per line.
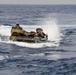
37 1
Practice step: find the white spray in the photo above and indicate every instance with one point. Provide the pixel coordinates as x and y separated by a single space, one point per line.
52 29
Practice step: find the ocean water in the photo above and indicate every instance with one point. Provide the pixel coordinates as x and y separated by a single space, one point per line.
57 56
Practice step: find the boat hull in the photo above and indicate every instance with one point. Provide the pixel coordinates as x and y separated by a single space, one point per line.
28 39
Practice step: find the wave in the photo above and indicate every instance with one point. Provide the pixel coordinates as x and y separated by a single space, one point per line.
50 27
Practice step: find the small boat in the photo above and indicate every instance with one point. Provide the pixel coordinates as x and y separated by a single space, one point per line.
30 37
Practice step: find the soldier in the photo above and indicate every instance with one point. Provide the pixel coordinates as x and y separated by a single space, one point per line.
40 32
18 27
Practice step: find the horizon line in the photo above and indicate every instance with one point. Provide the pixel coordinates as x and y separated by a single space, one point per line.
37 4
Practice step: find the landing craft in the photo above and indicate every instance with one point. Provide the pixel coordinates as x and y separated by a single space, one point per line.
18 34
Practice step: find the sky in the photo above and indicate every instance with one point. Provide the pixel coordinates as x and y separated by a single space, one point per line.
37 1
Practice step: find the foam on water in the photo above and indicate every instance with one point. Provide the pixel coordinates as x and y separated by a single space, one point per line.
5 30
50 27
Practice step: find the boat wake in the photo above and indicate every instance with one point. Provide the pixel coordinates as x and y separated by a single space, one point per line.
50 28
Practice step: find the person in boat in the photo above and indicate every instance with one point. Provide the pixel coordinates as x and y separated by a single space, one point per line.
18 27
40 33
17 30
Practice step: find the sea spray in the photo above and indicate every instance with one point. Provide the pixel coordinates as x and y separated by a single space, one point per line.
52 29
